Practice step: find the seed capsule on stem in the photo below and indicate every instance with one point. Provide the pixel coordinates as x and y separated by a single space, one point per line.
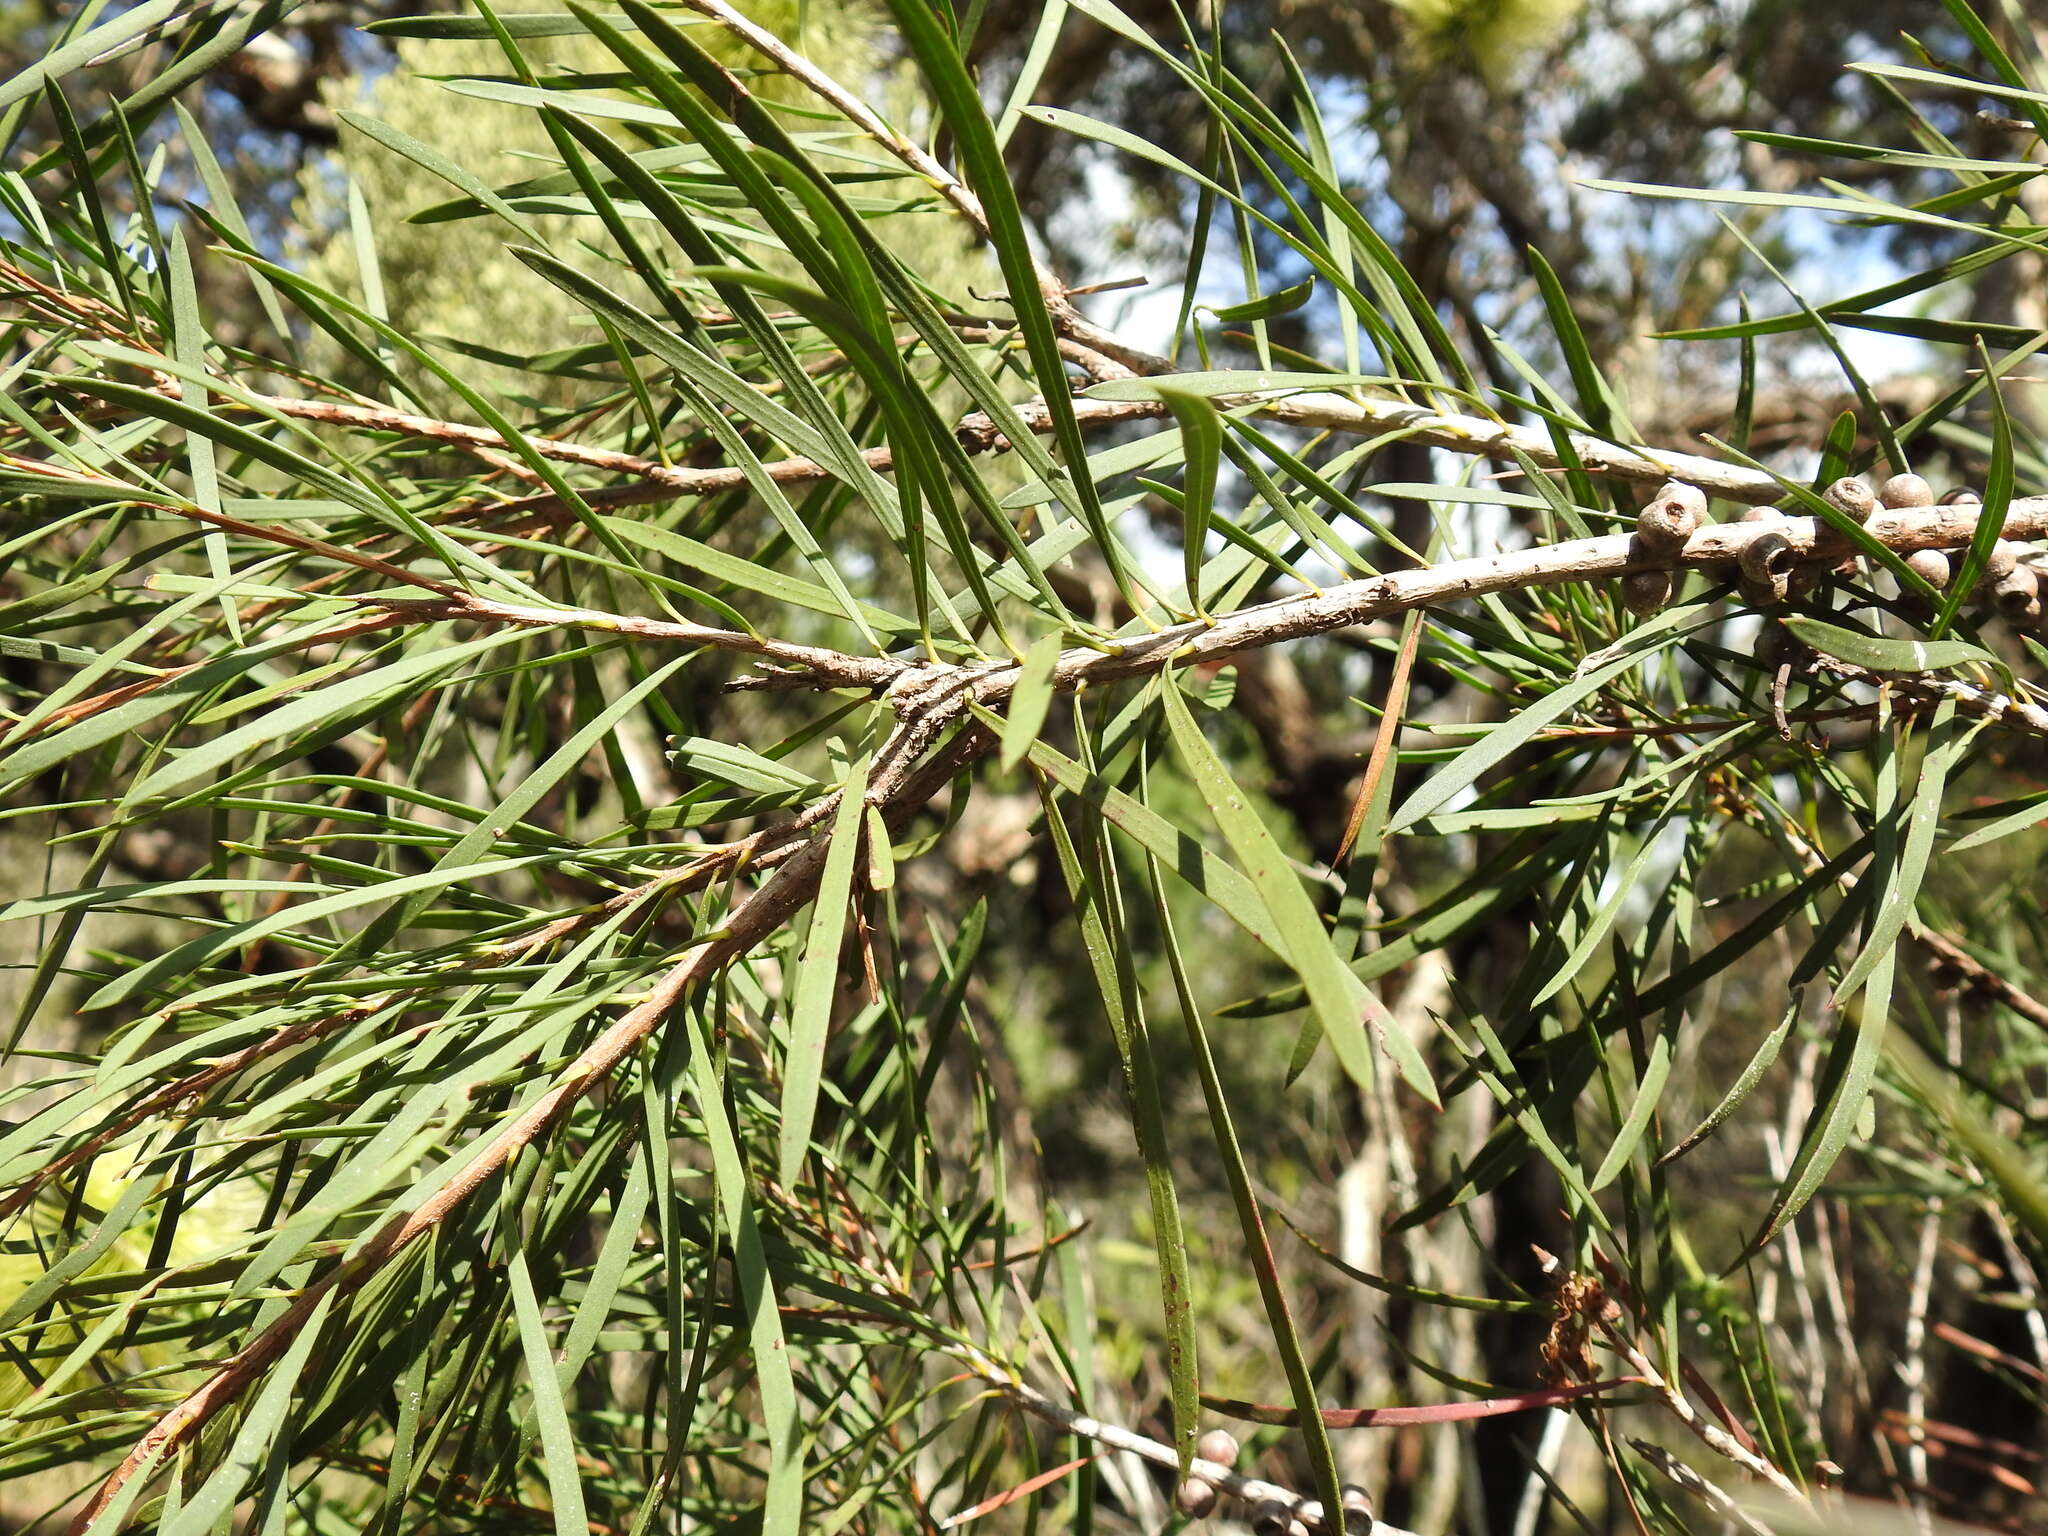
1219 1446
2018 594
1931 566
1644 592
1270 1517
1852 496
1357 1511
1767 568
1763 515
1673 516
1906 491
1195 1499
1960 496
2005 555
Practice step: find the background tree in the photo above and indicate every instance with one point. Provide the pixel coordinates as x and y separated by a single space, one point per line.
640 865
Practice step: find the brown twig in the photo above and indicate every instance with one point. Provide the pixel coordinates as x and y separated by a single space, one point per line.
1375 597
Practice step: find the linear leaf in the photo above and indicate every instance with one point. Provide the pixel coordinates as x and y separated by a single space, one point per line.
817 978
1341 1002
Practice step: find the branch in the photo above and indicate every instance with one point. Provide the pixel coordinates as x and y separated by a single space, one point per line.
920 685
1085 344
977 433
832 669
1321 411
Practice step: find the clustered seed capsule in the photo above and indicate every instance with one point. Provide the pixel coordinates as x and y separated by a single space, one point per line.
1806 576
2018 595
1931 566
1672 517
1644 592
1767 569
1906 491
1853 497
2018 590
1195 1499
1219 1446
1773 645
1270 1517
1771 571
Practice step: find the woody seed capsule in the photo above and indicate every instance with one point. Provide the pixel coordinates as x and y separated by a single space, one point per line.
1766 568
1270 1517
1219 1446
1765 592
1961 495
1644 592
2004 556
1666 523
1689 496
1852 496
2018 594
1906 491
1763 515
1931 566
1195 1499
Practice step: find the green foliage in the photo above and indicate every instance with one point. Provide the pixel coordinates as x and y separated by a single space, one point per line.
629 771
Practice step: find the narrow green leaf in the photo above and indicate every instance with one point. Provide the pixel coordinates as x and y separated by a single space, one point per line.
1497 744
1340 1000
408 675
1202 439
1838 1110
981 157
1181 853
1030 699
430 159
817 979
109 36
1961 1122
783 1504
1251 1223
557 1438
1904 876
1882 654
1998 489
1649 1089
265 1421
194 953
1745 1082
1090 878
1269 306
